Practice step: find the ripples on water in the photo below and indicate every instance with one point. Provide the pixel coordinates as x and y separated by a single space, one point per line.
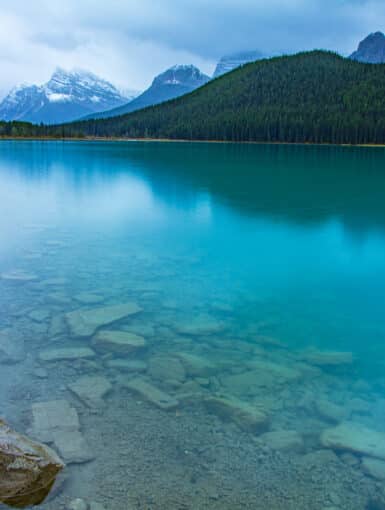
251 372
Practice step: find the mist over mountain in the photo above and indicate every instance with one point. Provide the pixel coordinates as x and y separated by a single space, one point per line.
230 62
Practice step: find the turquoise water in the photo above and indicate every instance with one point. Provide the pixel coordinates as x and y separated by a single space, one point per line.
260 275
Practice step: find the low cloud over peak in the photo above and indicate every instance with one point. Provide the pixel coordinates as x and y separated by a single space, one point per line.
129 42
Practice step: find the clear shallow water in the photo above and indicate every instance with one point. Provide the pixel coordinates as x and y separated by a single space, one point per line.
263 262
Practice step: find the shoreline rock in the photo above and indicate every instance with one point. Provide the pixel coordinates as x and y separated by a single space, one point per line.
27 469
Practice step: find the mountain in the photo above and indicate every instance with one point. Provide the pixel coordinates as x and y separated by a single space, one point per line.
371 49
230 62
65 97
311 97
174 82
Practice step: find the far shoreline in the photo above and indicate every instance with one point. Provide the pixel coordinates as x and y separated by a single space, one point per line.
170 140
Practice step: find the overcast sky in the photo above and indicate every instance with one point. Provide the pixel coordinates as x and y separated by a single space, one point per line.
130 41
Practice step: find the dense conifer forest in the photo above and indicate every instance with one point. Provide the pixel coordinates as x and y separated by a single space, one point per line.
311 97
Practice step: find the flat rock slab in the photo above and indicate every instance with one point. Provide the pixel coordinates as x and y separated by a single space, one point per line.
27 469
201 325
196 366
354 437
12 347
328 358
281 372
164 368
283 440
57 422
39 315
127 365
72 446
18 276
55 282
57 326
374 467
246 416
84 323
264 375
121 342
91 390
87 298
66 353
49 417
152 394
331 412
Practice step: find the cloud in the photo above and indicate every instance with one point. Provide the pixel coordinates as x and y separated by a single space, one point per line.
129 41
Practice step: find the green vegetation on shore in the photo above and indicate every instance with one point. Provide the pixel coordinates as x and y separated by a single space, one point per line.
312 97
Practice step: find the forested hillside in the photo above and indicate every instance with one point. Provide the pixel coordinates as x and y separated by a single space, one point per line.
312 97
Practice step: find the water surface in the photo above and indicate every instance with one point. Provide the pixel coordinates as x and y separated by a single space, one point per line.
264 263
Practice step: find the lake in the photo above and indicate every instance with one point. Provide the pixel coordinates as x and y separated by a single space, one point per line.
211 316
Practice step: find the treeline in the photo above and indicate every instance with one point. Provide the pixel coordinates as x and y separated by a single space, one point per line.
16 129
312 97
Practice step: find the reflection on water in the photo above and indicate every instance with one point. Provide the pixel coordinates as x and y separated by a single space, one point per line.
197 325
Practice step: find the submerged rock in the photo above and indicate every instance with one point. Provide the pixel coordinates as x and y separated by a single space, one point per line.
91 390
281 372
18 275
78 504
66 353
201 325
164 368
243 414
11 347
39 315
121 342
72 446
27 469
57 326
328 358
263 375
331 412
48 417
127 365
84 323
356 438
57 422
374 467
196 366
87 298
283 440
151 393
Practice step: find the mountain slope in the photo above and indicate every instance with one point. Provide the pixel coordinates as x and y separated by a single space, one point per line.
230 62
371 49
315 97
174 82
65 97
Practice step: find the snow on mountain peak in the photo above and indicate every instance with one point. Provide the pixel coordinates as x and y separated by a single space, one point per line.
188 75
67 95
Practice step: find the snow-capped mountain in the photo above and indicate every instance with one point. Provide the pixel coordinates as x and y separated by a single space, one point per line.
371 49
230 62
67 96
174 82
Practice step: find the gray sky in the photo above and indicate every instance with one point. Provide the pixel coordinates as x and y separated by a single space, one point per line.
130 41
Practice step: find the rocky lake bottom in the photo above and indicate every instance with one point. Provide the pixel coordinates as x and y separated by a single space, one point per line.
196 326
155 399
